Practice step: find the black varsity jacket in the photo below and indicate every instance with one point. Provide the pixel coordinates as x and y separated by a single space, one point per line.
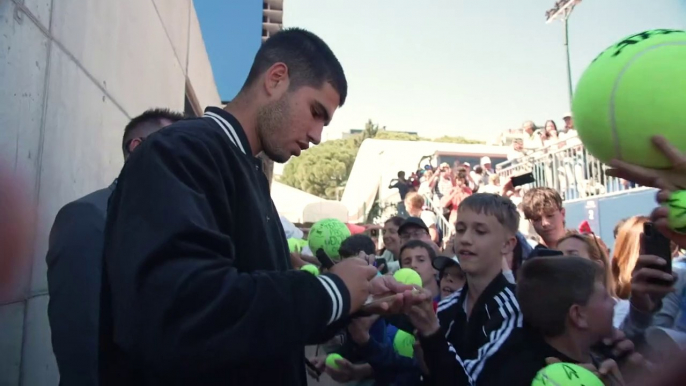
198 277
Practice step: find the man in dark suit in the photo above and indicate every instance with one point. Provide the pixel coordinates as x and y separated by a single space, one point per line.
74 262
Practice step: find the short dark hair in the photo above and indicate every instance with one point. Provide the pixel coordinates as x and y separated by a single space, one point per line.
540 200
309 59
548 286
395 220
147 123
493 205
412 244
355 244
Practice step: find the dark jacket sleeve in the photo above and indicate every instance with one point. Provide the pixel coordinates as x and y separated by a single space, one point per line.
447 367
74 270
180 305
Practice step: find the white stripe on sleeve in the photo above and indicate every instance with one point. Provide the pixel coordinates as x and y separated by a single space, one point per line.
336 298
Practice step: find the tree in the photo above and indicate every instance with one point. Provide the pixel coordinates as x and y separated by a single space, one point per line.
323 168
464 140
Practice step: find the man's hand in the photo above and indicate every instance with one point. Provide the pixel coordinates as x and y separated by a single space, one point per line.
646 295
391 291
631 362
419 308
359 329
356 274
348 372
672 178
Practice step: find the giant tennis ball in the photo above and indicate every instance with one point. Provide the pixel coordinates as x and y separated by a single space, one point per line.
328 234
677 211
403 343
565 374
331 360
631 92
408 276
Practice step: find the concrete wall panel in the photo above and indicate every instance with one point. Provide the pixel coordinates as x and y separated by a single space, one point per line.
82 148
199 68
123 45
40 9
11 332
23 58
175 18
38 366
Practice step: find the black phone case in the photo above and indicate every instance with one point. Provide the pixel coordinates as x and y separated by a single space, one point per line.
324 259
657 244
524 179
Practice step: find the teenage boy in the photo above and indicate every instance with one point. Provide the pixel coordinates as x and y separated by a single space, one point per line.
477 324
542 206
419 256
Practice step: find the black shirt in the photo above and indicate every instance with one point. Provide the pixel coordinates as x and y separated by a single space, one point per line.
198 275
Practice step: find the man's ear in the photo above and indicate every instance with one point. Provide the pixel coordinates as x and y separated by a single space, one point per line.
276 79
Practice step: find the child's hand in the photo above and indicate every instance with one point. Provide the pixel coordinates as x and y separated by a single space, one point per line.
419 308
359 329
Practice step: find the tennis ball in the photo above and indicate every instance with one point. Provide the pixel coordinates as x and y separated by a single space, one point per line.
565 374
676 217
328 234
296 245
631 92
331 360
311 268
408 276
403 343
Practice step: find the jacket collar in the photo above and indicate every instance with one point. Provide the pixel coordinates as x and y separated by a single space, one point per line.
492 289
231 127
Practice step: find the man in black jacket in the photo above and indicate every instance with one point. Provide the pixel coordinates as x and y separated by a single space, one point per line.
199 283
74 262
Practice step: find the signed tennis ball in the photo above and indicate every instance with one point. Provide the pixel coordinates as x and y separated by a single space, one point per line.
408 276
328 234
677 211
311 268
565 374
403 343
631 92
331 360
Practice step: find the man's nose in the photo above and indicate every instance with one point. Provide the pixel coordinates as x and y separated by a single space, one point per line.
315 134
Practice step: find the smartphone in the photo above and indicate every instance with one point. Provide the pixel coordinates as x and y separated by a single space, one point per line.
656 244
523 179
324 259
381 262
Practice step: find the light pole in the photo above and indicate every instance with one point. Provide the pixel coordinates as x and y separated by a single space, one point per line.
563 12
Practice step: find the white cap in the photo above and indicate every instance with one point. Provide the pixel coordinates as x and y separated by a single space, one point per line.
567 115
485 160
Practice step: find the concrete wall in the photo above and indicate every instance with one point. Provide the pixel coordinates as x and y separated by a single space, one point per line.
72 73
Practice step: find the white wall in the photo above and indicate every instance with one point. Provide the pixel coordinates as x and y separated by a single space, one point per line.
72 73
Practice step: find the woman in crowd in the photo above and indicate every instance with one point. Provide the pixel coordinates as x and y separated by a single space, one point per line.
391 242
626 251
459 192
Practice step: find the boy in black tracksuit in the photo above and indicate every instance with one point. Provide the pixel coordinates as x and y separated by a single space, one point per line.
567 311
477 325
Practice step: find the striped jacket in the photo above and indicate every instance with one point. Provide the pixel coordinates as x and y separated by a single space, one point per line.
465 350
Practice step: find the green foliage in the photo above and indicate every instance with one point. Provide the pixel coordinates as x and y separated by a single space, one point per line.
323 169
464 140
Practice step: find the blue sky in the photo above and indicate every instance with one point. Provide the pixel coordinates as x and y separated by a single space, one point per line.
439 67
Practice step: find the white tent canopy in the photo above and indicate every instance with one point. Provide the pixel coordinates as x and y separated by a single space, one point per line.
299 207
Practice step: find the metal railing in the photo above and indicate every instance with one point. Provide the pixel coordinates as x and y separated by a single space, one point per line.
445 226
569 169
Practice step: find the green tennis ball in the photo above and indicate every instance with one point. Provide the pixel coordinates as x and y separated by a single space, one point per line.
331 360
565 374
631 92
408 276
676 217
328 234
311 268
296 245
403 343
